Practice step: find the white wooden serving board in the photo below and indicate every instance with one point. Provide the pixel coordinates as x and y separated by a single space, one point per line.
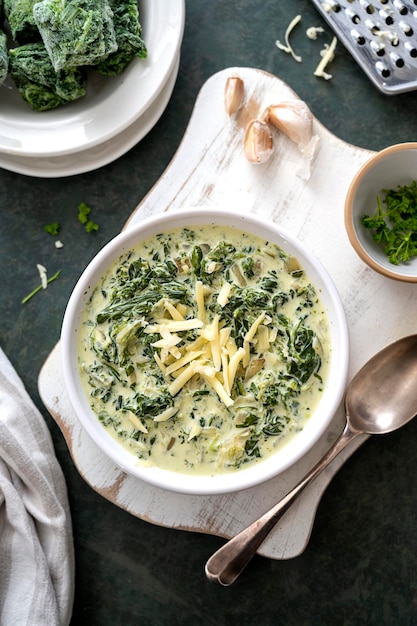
210 169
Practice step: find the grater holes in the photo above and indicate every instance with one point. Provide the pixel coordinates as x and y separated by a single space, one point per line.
378 48
383 69
412 50
402 10
406 29
369 8
354 17
372 27
387 16
331 5
397 60
356 35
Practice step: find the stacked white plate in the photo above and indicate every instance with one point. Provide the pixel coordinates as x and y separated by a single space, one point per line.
116 113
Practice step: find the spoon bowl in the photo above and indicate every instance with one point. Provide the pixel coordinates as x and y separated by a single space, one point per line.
381 398
383 395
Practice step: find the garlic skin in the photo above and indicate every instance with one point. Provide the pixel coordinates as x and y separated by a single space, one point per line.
294 118
258 143
233 94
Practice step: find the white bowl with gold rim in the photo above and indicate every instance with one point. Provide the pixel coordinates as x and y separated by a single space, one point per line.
251 474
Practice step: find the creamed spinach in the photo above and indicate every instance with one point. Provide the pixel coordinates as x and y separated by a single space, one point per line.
204 349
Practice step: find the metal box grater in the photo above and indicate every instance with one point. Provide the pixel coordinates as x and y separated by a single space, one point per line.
380 35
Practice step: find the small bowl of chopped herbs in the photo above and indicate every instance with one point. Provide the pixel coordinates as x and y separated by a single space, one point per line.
381 212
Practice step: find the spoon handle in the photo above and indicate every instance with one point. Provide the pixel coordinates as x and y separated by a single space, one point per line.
229 561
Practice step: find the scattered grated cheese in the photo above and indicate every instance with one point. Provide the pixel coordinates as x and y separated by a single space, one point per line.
176 325
252 330
327 57
210 377
225 370
43 275
159 362
166 415
184 360
136 422
199 296
224 294
313 31
287 47
168 340
224 335
234 364
195 430
173 311
183 378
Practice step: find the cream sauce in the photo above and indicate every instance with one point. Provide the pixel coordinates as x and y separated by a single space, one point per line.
204 349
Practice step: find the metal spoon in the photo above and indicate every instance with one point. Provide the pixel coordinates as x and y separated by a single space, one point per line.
381 398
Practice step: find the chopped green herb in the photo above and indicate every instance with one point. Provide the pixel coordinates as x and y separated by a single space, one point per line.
90 226
83 216
53 228
40 287
395 227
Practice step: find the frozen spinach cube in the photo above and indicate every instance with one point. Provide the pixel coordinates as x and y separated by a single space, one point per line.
128 35
75 32
38 83
19 14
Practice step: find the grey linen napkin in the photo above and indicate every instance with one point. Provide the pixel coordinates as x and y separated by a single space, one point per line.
36 543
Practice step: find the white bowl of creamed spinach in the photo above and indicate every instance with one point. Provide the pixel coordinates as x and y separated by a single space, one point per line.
204 351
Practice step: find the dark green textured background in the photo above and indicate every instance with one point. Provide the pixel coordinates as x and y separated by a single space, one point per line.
360 565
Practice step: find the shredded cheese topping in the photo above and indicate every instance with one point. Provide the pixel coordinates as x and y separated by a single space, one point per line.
214 355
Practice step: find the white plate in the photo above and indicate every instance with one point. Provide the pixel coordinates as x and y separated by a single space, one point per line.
98 156
111 105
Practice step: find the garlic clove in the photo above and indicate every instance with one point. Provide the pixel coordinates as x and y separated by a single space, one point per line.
293 118
233 94
258 143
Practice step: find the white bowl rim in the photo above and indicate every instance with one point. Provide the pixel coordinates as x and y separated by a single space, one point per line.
219 483
349 200
90 121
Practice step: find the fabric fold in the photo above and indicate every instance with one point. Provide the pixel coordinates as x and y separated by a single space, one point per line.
36 543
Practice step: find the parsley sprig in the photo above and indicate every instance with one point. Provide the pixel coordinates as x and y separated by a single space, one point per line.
395 226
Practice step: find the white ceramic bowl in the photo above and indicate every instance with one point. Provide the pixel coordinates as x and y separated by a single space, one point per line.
297 446
387 169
